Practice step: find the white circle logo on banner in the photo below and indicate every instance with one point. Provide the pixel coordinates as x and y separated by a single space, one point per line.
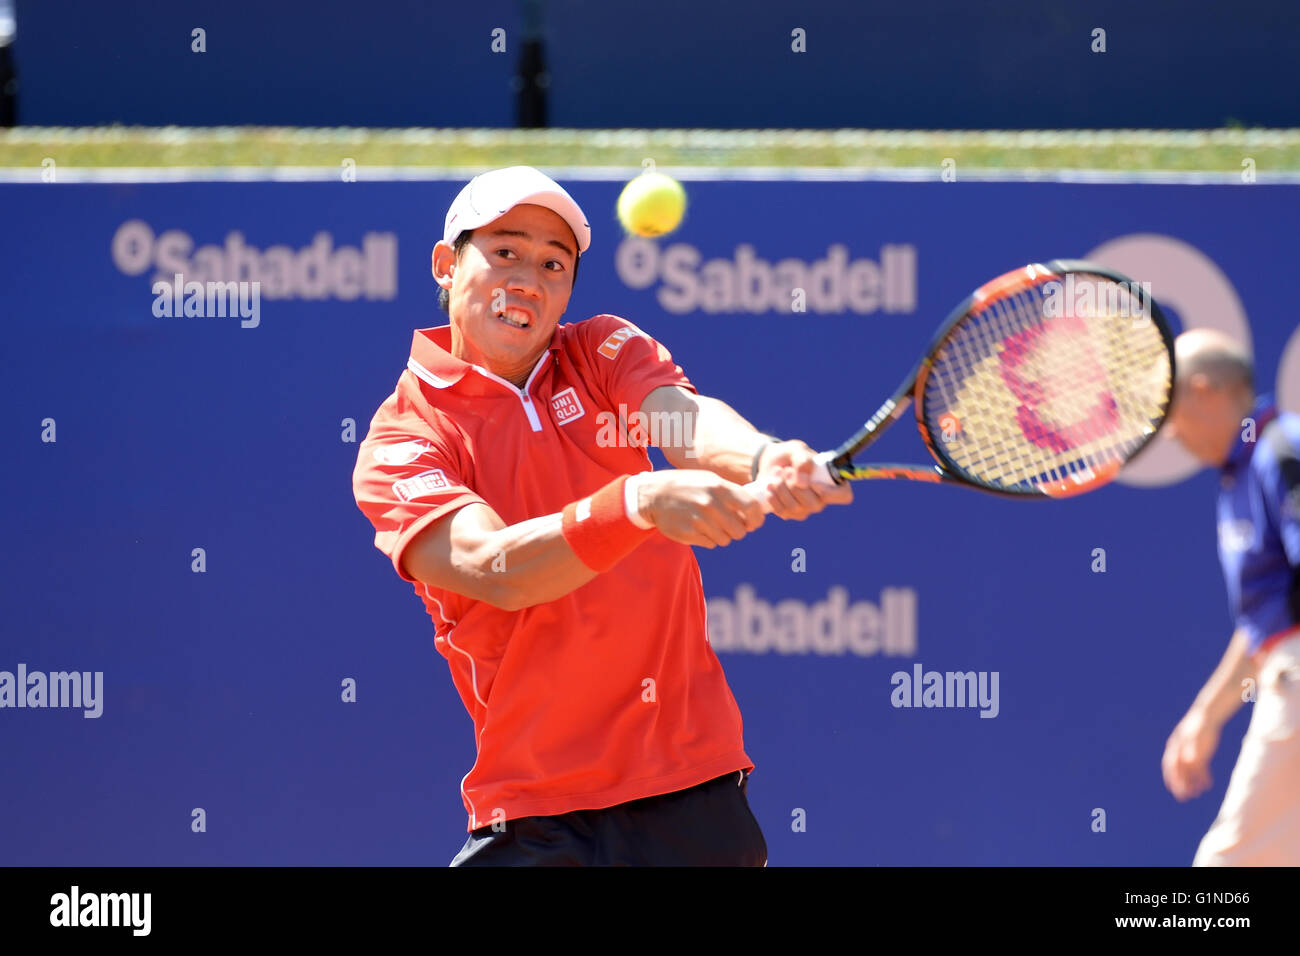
1186 282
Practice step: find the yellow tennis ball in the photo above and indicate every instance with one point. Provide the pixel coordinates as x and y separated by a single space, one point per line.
651 205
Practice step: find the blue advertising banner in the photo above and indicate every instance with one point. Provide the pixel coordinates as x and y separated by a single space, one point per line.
256 685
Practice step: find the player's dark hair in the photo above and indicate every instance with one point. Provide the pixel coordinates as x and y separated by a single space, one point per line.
458 246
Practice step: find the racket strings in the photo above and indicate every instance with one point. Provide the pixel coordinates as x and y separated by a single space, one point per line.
1006 317
1049 411
1026 392
1012 460
1057 366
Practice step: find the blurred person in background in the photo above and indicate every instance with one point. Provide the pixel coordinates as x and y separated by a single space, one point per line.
1219 419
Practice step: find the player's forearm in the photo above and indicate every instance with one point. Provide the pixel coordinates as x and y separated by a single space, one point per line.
721 441
529 563
1222 693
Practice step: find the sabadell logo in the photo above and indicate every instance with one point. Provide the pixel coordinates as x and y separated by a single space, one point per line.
319 270
831 285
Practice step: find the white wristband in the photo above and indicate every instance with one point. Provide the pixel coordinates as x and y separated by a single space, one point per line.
630 507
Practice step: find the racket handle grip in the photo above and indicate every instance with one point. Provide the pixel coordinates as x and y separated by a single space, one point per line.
822 475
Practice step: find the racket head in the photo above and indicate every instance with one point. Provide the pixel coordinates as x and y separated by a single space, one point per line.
1045 381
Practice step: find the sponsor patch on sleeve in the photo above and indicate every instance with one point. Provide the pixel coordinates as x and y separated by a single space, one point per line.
609 348
425 483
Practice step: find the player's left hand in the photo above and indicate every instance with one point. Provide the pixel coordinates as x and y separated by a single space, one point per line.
1188 752
788 468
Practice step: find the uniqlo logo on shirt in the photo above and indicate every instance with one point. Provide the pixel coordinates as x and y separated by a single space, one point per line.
609 348
425 483
567 407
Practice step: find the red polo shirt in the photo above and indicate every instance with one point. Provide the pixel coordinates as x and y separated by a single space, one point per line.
612 692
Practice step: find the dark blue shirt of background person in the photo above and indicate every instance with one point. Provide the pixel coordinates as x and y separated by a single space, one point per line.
1259 526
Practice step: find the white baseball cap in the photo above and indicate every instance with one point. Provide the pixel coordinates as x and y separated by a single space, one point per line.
491 195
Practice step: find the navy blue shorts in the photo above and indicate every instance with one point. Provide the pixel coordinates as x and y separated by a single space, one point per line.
705 825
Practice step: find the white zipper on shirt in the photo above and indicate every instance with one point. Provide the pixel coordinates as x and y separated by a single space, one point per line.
534 422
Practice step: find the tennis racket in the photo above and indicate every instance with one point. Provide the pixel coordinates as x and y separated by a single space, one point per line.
1041 384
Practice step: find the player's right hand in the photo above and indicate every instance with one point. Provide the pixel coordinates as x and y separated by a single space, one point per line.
1186 763
794 495
697 507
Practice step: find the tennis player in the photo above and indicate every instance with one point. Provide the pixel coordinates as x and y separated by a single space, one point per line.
508 479
1219 419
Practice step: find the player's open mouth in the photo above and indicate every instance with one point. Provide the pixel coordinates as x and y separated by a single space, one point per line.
517 318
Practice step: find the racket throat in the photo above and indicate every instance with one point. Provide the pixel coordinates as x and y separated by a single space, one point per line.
845 470
886 415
